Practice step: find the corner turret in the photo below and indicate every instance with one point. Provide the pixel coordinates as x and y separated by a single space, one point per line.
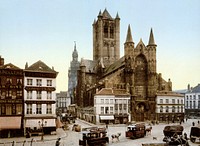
129 44
151 39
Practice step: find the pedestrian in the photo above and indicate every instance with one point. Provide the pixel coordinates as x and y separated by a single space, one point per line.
31 141
193 124
198 122
185 136
58 142
186 119
106 126
24 142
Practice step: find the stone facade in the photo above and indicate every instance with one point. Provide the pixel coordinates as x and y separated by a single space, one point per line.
135 71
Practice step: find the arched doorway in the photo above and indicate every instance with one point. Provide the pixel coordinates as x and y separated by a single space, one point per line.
140 111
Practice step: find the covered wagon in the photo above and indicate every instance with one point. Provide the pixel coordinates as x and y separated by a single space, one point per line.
173 130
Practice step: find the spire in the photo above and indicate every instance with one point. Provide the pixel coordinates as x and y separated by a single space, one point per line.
117 16
26 65
129 35
94 21
100 14
75 53
74 45
151 39
106 14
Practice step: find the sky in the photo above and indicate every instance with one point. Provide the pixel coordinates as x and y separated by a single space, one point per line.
32 30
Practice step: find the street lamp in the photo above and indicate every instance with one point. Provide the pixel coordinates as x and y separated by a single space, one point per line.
41 124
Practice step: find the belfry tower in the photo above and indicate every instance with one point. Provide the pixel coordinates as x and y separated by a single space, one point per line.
106 38
72 74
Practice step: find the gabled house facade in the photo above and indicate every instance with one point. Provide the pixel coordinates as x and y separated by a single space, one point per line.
11 100
39 98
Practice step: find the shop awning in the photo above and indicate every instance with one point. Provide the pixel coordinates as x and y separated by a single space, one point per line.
107 117
10 123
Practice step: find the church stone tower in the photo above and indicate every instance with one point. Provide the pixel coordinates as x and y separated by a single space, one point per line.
106 38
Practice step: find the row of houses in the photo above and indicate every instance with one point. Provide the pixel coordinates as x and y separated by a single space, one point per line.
114 106
27 99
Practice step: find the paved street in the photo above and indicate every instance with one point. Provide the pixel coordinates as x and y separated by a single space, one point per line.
70 138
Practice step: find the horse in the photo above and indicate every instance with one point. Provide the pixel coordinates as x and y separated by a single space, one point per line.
179 140
148 130
113 136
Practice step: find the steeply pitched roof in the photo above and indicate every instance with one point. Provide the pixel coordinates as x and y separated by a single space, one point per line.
106 14
9 66
151 39
40 66
129 38
89 64
196 89
116 65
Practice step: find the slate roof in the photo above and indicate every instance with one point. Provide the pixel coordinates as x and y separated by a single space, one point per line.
116 65
9 66
106 14
62 94
196 89
40 66
89 64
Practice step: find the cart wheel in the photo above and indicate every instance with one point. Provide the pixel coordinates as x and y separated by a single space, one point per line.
192 139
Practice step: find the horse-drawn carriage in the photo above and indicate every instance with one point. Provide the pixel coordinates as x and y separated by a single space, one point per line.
136 131
170 131
194 134
94 137
174 135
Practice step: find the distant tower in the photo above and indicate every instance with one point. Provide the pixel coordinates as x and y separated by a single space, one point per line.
72 74
106 38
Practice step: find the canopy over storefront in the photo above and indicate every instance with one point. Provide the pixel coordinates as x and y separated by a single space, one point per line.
107 117
10 122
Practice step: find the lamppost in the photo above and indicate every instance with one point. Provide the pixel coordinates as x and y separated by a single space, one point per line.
41 124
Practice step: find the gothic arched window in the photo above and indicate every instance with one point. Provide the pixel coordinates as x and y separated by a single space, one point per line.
105 30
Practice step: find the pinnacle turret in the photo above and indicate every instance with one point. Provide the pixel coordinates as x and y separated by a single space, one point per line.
100 14
151 39
117 16
75 53
129 35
